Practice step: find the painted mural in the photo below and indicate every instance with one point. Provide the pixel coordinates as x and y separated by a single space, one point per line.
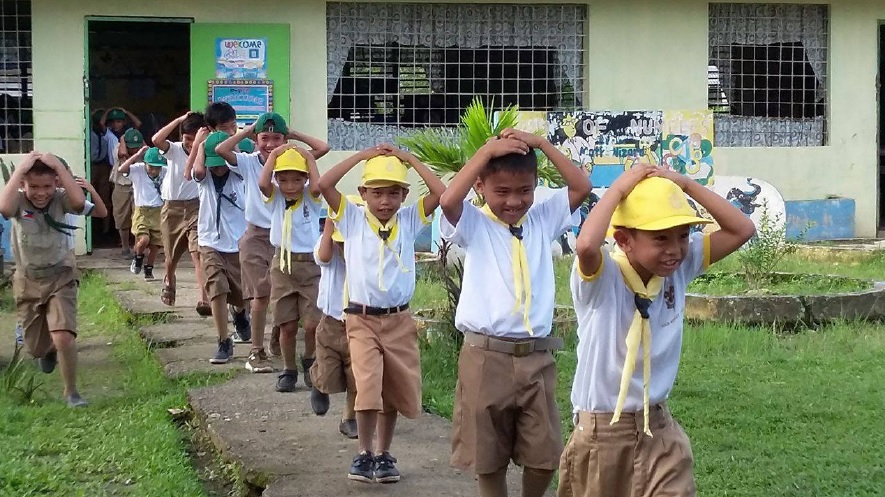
687 144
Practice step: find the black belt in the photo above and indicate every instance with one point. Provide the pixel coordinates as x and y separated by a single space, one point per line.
365 310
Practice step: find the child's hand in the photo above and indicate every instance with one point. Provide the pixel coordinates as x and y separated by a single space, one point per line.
681 180
85 185
400 154
201 135
28 162
370 153
304 152
52 161
329 225
141 152
627 181
182 117
499 147
529 139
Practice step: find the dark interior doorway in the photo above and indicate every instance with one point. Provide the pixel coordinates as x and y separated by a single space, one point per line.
881 190
142 66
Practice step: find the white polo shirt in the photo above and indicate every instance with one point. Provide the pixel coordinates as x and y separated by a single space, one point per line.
258 212
305 221
145 190
396 283
333 277
222 234
71 219
488 297
174 186
605 307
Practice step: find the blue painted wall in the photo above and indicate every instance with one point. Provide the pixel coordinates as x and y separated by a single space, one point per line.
830 219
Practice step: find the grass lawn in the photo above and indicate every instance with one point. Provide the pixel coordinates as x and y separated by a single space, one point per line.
768 414
124 443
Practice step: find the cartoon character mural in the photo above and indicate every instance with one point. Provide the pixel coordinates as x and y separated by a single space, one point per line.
745 199
577 148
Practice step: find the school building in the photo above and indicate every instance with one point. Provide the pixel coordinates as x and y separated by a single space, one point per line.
793 85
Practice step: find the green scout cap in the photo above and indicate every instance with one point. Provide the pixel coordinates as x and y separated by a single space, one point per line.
212 141
116 114
133 138
153 157
247 146
271 122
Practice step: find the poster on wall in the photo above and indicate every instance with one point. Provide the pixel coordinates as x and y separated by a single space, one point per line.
249 97
241 58
687 144
607 143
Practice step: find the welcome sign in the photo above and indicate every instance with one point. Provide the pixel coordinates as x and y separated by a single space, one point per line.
241 58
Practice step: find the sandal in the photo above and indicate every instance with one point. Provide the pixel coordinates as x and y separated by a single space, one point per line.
204 309
168 294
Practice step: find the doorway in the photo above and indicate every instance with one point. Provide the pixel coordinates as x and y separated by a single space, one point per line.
881 142
141 65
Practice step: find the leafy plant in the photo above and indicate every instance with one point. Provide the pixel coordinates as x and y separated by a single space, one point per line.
453 278
19 381
762 255
6 170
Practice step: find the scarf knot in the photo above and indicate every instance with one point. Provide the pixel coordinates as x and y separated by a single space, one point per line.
516 231
642 305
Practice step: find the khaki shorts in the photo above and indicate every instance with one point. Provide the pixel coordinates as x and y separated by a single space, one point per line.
256 254
178 225
293 296
146 221
505 408
385 362
331 373
620 460
45 305
222 274
123 202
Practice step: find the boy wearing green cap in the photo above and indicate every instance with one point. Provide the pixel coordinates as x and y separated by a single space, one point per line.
256 249
379 247
146 169
636 296
36 198
221 224
122 195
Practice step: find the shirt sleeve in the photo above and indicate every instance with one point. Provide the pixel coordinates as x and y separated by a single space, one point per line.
88 207
698 258
18 199
461 233
135 168
346 215
245 166
414 216
555 214
316 254
588 288
61 195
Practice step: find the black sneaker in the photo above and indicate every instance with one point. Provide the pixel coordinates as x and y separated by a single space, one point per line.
319 401
286 380
48 362
385 470
148 273
348 428
363 468
224 353
135 267
306 363
241 324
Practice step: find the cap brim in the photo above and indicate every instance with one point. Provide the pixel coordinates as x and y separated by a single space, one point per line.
161 164
671 222
134 144
383 183
215 161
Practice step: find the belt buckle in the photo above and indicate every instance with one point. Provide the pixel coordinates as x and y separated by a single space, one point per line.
524 348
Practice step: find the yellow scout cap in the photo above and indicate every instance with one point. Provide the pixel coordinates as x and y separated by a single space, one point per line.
384 170
290 160
655 204
355 200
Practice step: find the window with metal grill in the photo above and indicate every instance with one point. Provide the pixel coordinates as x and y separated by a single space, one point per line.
16 84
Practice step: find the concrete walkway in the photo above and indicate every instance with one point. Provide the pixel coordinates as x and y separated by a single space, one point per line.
279 446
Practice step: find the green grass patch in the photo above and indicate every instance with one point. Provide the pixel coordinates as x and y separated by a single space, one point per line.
122 444
767 413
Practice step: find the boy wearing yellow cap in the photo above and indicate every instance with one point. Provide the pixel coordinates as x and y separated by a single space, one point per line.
630 306
146 169
380 252
256 250
505 407
220 225
332 371
295 213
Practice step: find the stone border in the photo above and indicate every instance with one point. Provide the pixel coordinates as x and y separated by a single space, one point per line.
788 310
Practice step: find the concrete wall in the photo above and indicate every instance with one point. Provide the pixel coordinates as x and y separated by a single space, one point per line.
634 72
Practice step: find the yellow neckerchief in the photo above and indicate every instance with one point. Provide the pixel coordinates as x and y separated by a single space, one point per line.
386 235
640 331
286 240
522 280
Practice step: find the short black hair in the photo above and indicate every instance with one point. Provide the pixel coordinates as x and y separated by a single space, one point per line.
218 113
512 163
40 168
192 123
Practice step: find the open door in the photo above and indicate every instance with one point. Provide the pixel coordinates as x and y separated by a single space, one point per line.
881 141
246 65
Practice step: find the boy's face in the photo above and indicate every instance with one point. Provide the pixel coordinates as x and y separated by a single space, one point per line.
116 125
187 141
219 170
385 201
39 188
229 127
154 171
291 183
267 142
654 252
509 194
